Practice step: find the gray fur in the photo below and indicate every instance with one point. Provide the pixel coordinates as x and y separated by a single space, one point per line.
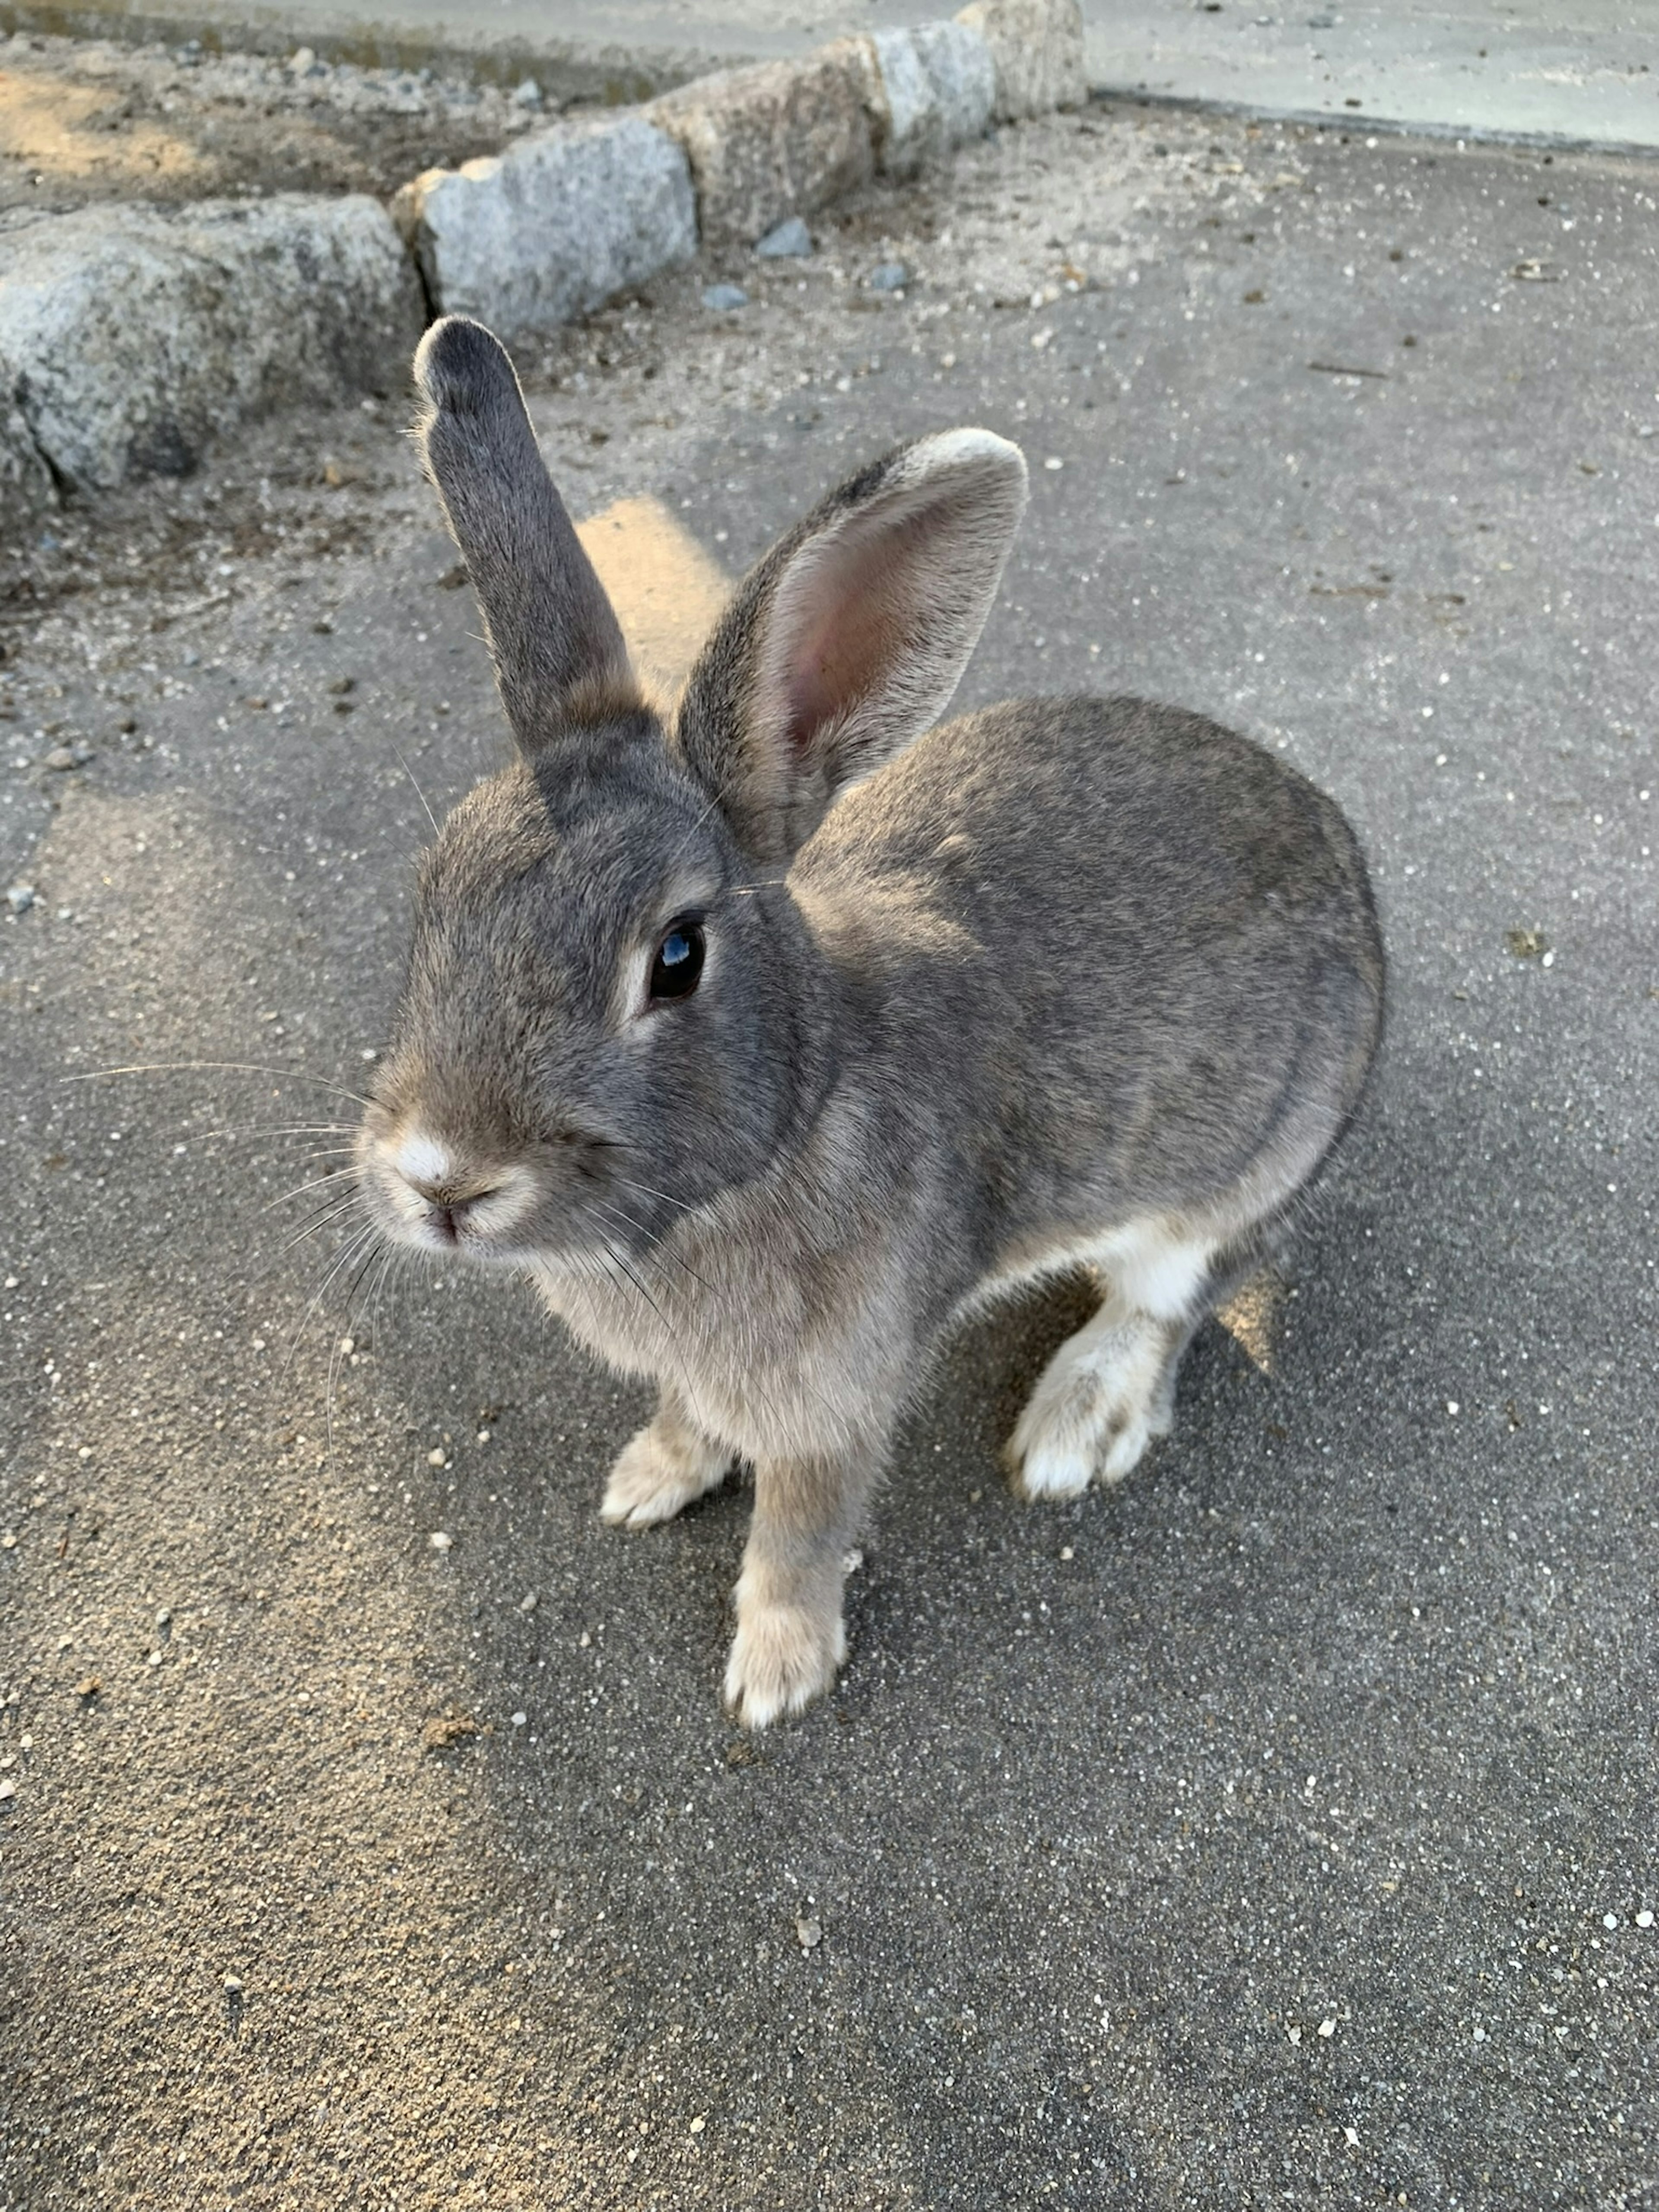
1059 967
551 628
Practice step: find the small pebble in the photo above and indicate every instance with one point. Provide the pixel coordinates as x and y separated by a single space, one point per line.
530 1600
1327 2028
8 1789
787 241
529 94
1609 1919
440 1540
232 1985
808 1934
889 276
1644 1918
61 757
1066 1553
699 2125
20 897
435 1457
726 298
518 1719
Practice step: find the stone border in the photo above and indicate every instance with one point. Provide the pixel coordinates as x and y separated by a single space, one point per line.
130 335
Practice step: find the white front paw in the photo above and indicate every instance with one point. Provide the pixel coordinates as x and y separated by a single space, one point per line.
659 1473
782 1657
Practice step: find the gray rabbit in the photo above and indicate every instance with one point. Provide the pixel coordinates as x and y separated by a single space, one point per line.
769 1037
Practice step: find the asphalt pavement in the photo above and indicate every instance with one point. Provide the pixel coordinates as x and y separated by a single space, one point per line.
1277 1830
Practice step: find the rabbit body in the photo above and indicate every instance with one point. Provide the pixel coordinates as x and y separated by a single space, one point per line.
1047 1053
1063 983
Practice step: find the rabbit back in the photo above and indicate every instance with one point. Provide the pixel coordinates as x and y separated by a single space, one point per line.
1127 962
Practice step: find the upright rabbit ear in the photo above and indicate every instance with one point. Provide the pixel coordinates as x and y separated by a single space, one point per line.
557 646
849 639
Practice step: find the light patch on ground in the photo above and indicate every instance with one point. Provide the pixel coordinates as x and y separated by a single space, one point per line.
67 132
1250 1318
665 589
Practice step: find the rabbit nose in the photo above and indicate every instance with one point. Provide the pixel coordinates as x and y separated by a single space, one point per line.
449 1206
441 1180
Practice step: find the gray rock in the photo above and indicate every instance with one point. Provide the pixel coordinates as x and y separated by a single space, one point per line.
888 276
130 336
777 139
938 87
20 897
1037 47
527 239
726 298
786 241
962 71
27 490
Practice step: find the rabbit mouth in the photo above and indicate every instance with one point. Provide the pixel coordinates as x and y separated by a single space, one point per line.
438 1201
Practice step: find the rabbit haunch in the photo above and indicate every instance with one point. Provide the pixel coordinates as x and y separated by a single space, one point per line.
1066 983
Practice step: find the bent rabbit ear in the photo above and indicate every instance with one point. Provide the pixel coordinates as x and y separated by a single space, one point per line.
557 645
849 639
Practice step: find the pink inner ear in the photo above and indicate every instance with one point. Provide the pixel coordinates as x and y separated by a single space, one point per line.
852 622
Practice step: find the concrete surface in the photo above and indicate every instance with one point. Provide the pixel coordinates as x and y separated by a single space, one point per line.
1586 71
1276 1831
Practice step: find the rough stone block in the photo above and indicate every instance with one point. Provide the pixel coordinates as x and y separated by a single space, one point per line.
130 336
937 86
776 139
527 239
27 490
1037 47
963 71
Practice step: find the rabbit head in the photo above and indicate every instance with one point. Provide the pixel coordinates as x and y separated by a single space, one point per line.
614 1009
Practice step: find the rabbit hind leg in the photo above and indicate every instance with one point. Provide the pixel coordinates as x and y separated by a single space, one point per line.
1109 1389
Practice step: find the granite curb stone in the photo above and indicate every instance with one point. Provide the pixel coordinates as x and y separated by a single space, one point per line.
776 139
1038 48
27 489
130 336
529 239
938 88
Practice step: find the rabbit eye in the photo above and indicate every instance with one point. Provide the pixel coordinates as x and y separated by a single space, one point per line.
678 968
